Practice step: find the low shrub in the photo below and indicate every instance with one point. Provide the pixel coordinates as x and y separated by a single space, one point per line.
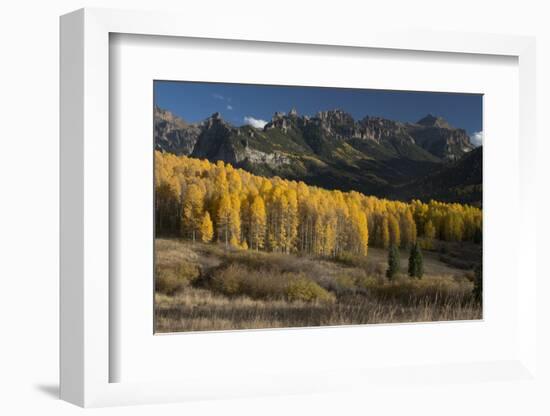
351 260
349 282
175 277
188 271
167 282
277 264
345 282
227 280
412 291
369 282
303 289
235 279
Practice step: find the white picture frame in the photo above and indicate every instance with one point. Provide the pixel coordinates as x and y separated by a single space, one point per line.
86 330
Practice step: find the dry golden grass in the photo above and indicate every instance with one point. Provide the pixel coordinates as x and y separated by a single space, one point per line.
246 290
202 310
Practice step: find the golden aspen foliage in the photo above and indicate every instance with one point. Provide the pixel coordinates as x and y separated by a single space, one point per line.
393 227
407 227
257 223
207 228
235 219
382 238
429 234
197 198
359 233
193 201
224 219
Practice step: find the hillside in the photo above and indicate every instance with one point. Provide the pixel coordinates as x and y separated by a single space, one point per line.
373 155
203 287
458 181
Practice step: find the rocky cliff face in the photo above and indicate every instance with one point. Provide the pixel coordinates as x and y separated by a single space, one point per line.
380 129
173 134
219 140
213 142
329 149
209 139
438 137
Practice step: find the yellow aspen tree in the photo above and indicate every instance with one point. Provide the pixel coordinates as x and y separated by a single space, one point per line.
257 223
295 216
234 241
318 233
359 231
220 178
207 228
276 211
224 219
407 228
234 181
192 210
383 232
329 244
393 228
429 234
235 220
291 220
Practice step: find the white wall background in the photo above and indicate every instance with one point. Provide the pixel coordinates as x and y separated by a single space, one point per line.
29 206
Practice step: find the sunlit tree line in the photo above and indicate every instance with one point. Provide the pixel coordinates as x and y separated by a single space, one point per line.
200 200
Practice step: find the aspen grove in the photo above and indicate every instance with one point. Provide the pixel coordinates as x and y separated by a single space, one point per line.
203 201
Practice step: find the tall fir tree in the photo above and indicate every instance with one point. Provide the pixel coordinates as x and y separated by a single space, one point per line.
393 262
416 263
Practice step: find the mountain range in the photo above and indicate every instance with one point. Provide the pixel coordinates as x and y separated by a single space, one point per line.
429 159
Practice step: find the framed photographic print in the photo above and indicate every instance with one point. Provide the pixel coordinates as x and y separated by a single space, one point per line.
282 213
365 209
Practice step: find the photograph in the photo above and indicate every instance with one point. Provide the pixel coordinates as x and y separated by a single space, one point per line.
279 206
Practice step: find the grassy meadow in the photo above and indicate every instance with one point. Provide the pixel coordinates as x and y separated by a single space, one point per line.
208 286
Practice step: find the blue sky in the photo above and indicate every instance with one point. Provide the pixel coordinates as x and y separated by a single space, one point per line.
243 103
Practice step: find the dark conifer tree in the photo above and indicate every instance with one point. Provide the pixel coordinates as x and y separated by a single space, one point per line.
416 263
393 262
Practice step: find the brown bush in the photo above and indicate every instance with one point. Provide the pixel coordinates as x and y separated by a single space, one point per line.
175 277
236 279
306 290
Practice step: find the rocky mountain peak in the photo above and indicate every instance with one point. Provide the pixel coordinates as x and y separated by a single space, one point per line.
330 148
378 128
215 116
434 121
172 133
335 115
215 120
337 123
170 119
282 121
438 137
